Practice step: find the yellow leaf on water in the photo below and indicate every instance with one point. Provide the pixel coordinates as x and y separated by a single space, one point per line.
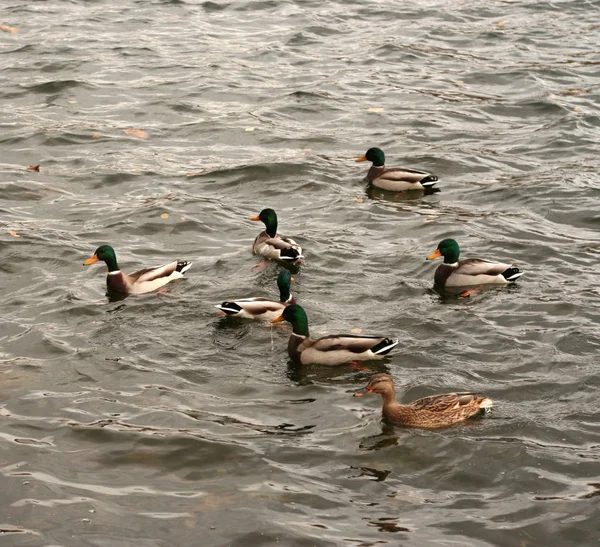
182 218
72 100
356 331
164 215
359 200
576 109
375 109
575 91
501 23
6 28
136 133
191 174
34 167
249 129
14 234
96 135
308 149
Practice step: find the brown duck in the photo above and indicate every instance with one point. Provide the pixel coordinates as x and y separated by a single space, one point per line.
433 411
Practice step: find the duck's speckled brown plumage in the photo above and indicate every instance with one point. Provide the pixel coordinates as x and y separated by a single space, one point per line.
430 412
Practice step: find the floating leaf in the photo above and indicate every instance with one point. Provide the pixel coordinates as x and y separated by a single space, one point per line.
356 331
6 28
307 188
308 149
136 133
191 174
33 167
164 215
359 200
14 234
577 109
575 91
375 109
182 218
249 129
96 135
72 100
501 23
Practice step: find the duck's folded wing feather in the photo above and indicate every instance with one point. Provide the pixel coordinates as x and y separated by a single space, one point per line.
477 266
150 274
444 402
408 175
280 243
258 306
354 344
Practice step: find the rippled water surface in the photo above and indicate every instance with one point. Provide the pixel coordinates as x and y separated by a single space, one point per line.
160 127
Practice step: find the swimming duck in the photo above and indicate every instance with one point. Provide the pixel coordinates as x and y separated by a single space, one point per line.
333 349
270 244
396 179
433 411
262 308
471 271
140 282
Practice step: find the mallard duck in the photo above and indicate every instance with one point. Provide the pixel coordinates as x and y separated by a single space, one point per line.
140 282
433 411
472 271
270 244
395 179
262 308
330 350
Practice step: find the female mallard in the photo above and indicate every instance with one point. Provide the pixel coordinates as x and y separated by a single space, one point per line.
262 308
140 282
330 350
472 271
434 411
396 179
270 244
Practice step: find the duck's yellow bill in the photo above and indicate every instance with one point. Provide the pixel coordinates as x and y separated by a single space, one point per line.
435 254
292 279
255 218
363 393
278 319
362 158
91 260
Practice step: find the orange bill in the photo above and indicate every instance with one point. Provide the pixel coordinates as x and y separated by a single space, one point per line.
362 158
278 319
363 393
292 279
255 218
435 254
91 260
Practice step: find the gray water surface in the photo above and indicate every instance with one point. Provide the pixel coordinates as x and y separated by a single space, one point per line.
149 421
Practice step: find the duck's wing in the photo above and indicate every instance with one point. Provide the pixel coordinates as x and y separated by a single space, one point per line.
252 306
478 266
152 274
405 174
355 344
444 402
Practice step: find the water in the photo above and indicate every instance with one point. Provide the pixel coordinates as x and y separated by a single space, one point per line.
149 421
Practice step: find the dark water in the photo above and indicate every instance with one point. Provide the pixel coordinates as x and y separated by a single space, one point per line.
151 422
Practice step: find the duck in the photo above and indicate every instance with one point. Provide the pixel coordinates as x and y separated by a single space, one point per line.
396 179
429 412
140 282
335 349
261 308
471 271
270 244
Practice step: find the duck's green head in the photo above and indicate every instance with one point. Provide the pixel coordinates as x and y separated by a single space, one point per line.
284 282
448 248
269 218
375 156
295 315
105 253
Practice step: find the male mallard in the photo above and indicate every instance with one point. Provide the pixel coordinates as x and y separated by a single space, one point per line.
139 282
262 308
396 179
270 244
472 271
330 350
433 411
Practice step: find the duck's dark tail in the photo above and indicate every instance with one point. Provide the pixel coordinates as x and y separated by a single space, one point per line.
385 346
183 266
428 181
512 274
289 254
230 308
